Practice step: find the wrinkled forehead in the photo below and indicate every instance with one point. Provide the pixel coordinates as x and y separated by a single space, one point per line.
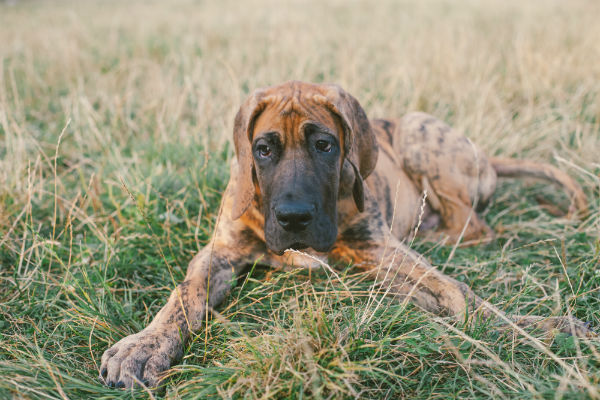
290 116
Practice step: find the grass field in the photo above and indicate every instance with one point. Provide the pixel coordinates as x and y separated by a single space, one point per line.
115 128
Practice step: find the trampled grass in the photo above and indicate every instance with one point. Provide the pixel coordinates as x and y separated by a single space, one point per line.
115 125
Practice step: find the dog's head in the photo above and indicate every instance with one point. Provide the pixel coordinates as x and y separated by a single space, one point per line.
292 143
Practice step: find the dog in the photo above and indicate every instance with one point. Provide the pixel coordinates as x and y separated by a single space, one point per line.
315 179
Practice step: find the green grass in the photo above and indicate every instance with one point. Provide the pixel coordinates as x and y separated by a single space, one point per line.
115 125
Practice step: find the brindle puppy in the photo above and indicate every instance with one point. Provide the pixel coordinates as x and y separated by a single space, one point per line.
312 172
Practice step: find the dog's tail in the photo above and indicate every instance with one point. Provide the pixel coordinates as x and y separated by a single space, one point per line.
515 168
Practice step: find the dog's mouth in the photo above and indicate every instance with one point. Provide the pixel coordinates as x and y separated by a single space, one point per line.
298 246
293 246
301 246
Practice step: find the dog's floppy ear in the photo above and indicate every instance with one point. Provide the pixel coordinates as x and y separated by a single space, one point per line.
242 138
360 144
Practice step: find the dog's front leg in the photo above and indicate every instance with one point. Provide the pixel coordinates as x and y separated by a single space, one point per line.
145 356
402 273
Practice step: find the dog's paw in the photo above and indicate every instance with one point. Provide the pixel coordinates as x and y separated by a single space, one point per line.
569 325
141 358
574 326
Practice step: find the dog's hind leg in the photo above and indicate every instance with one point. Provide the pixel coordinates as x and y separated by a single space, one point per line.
456 175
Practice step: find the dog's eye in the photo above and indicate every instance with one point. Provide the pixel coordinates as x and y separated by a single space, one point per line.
263 151
323 145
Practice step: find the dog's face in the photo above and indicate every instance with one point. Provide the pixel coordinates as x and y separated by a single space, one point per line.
291 143
296 150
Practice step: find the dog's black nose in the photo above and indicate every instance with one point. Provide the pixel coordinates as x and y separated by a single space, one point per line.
294 216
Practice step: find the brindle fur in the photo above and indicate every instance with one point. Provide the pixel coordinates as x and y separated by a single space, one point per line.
378 179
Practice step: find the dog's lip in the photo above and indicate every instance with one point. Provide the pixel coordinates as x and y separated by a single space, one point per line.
293 246
300 246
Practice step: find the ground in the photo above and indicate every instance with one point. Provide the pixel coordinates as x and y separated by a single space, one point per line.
115 128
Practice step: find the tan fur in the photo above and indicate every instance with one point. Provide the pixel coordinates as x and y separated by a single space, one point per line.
415 153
